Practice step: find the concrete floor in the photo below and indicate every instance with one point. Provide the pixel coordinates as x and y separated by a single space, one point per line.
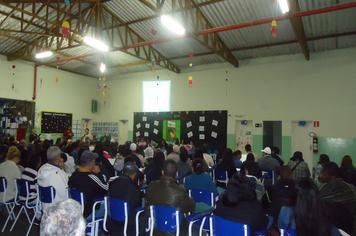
20 228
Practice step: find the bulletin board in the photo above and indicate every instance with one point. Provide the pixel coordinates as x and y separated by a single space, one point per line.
55 122
201 127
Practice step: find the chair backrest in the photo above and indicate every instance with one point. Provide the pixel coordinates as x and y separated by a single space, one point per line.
3 184
288 232
204 196
269 175
222 227
166 219
22 187
221 175
78 196
117 209
46 194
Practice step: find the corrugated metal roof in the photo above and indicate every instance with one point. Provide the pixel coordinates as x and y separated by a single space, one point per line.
183 63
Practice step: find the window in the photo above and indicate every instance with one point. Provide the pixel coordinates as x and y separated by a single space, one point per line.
156 96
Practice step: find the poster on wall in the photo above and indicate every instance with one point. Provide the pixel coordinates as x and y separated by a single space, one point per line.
55 122
171 130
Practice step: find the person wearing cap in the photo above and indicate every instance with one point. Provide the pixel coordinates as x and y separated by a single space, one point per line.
88 180
267 162
134 156
174 155
149 152
126 189
10 171
52 174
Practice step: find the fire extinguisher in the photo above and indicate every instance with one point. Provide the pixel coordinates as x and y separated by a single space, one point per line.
315 146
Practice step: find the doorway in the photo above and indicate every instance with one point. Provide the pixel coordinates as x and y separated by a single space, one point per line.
243 133
301 140
272 134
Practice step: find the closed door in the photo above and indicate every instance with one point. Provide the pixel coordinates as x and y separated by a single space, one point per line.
302 141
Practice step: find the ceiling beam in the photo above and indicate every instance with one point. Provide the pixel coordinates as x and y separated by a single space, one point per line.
328 36
298 27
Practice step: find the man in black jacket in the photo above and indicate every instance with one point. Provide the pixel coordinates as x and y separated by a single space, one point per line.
126 189
87 179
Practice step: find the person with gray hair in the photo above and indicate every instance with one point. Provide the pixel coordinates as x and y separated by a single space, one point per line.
52 174
63 218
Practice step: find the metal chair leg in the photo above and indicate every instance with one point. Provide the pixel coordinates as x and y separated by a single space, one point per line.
33 220
11 215
17 217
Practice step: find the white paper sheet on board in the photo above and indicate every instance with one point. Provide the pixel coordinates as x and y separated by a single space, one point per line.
190 134
201 136
156 123
138 125
201 128
215 123
189 124
155 131
146 134
138 134
147 126
144 118
214 134
202 119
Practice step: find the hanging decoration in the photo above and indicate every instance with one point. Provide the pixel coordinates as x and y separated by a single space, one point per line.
190 81
13 87
274 28
227 82
13 67
190 57
157 80
65 29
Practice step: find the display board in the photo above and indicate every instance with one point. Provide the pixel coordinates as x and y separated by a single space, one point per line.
55 122
201 127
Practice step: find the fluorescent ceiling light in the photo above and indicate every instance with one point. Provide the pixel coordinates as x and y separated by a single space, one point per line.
172 25
102 67
95 43
283 4
44 54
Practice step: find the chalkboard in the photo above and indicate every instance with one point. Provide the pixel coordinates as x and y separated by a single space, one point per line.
54 122
201 127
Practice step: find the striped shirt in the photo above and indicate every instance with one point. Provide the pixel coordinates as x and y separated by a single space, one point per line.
31 175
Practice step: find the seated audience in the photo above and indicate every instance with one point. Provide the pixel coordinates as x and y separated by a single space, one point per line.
154 169
200 179
276 154
335 190
105 166
298 166
11 172
166 191
252 166
88 179
227 163
198 154
307 217
323 160
184 166
283 193
267 162
347 169
51 174
239 203
30 174
174 155
3 152
248 149
237 159
63 219
149 152
69 165
207 157
259 186
126 189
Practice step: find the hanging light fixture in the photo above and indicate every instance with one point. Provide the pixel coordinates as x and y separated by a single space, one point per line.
95 43
172 25
44 54
283 4
102 67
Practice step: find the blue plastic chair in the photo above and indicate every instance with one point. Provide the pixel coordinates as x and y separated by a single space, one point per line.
9 205
119 210
288 232
269 176
22 199
204 196
78 196
222 227
46 194
221 176
165 219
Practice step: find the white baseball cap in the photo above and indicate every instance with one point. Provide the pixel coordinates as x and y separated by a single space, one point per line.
267 150
133 147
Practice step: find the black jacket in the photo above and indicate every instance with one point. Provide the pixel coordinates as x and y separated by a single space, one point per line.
93 186
283 193
125 189
245 212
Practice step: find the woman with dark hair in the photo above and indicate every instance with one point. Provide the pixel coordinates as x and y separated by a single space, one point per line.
30 173
105 166
200 179
323 160
154 169
308 216
298 166
239 203
252 166
184 166
227 163
347 169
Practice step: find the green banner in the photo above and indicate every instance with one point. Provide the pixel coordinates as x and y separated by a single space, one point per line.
171 130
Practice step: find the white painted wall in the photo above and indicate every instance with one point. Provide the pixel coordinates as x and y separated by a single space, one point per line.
286 88
72 93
